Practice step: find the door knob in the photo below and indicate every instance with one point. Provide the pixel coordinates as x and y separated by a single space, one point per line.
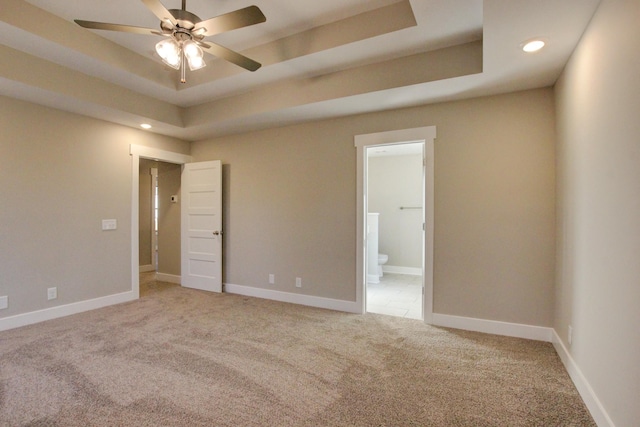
217 233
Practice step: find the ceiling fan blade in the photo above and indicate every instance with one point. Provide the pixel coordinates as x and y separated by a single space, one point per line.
116 27
230 21
231 56
160 11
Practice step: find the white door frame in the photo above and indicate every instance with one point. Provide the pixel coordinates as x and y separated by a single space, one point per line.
137 152
423 134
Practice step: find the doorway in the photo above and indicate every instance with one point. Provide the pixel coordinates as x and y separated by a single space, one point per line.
395 218
137 153
200 231
159 225
425 137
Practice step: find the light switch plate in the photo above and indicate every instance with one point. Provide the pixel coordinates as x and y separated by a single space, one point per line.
109 224
4 302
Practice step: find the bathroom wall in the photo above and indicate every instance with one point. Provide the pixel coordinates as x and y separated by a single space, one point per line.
396 181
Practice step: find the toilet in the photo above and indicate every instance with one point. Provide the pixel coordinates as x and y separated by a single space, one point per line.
375 260
382 260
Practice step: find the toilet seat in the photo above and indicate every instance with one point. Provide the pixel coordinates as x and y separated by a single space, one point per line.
382 259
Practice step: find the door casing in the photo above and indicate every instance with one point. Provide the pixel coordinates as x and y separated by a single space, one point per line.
423 134
137 152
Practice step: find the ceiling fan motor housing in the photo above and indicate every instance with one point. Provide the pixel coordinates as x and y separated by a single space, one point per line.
186 20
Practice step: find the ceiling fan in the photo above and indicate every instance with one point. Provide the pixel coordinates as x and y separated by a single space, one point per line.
185 32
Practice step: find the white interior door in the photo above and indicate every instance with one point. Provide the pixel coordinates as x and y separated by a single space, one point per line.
201 208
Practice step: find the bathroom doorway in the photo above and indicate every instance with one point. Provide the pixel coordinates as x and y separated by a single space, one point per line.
395 223
395 218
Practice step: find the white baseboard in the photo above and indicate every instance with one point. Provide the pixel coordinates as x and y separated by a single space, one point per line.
538 333
308 300
64 310
394 269
373 278
170 278
589 397
147 268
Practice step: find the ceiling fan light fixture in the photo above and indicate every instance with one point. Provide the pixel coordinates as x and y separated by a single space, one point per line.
194 55
169 51
192 50
196 63
173 62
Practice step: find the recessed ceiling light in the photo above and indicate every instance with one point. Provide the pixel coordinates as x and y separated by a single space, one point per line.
533 46
145 126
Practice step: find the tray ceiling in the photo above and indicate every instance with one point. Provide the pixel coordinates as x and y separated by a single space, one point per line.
320 59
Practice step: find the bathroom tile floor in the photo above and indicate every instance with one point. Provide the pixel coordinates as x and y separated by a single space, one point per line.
396 295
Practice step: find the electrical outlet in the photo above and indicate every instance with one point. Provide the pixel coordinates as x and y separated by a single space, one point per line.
298 282
4 302
272 279
570 335
52 293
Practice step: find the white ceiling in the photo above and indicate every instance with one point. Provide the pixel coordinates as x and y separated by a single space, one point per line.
320 59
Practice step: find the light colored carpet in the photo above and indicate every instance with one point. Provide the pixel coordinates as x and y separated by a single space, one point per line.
180 357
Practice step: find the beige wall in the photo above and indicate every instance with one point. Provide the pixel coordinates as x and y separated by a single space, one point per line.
598 275
168 218
288 209
60 175
290 204
145 207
